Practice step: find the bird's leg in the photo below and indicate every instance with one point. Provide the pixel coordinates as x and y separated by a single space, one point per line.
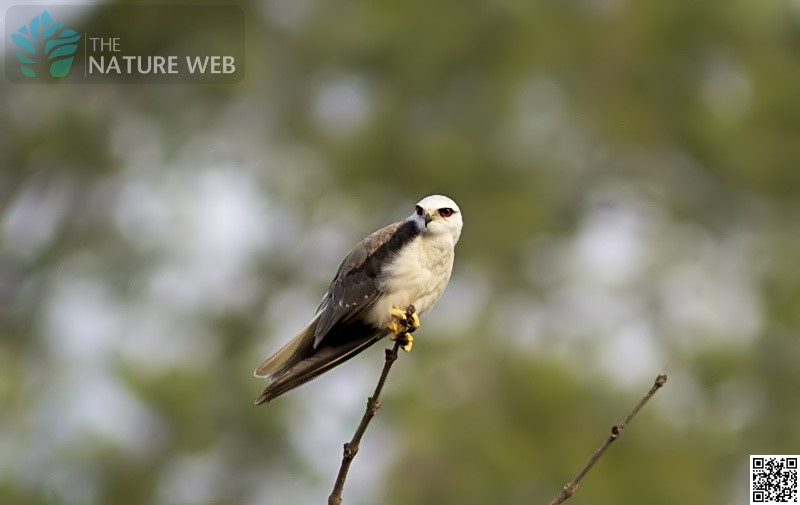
408 321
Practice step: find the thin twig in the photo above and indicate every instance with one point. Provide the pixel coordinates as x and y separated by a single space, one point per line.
569 489
373 404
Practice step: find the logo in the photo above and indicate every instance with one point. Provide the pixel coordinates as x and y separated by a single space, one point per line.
45 47
131 44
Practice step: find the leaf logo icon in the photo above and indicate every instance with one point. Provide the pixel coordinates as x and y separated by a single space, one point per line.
45 47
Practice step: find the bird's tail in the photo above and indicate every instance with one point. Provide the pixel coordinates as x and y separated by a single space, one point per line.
325 357
290 354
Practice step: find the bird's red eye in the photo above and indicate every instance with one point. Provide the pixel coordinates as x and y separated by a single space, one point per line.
446 212
418 209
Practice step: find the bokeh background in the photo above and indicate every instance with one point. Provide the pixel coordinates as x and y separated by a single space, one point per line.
629 174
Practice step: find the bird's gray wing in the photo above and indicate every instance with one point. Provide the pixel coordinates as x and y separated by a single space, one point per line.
357 283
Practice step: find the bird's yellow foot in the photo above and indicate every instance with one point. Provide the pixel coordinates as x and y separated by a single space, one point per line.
407 318
414 319
407 321
406 339
398 314
397 329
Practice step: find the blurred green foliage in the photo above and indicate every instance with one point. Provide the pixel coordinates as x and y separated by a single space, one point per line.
628 173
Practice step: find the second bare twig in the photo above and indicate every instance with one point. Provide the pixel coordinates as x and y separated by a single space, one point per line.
569 489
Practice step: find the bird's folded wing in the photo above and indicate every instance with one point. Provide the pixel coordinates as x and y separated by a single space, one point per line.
357 283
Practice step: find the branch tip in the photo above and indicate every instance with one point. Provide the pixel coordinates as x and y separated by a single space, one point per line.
569 489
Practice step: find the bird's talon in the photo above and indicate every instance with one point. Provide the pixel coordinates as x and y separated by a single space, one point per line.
398 314
410 319
396 329
414 320
409 341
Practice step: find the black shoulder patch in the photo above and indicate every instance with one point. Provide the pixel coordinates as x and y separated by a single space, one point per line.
390 245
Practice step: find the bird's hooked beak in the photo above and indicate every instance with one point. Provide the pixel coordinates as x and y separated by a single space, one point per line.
428 219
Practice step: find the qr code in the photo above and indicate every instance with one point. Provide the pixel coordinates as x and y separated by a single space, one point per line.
773 479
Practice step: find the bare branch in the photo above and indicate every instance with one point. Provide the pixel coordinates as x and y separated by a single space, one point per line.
569 489
373 404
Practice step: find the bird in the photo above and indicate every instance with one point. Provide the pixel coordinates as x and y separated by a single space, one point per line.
382 286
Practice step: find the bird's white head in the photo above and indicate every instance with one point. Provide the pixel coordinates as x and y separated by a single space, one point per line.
438 215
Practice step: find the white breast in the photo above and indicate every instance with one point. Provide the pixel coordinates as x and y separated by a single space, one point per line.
418 276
